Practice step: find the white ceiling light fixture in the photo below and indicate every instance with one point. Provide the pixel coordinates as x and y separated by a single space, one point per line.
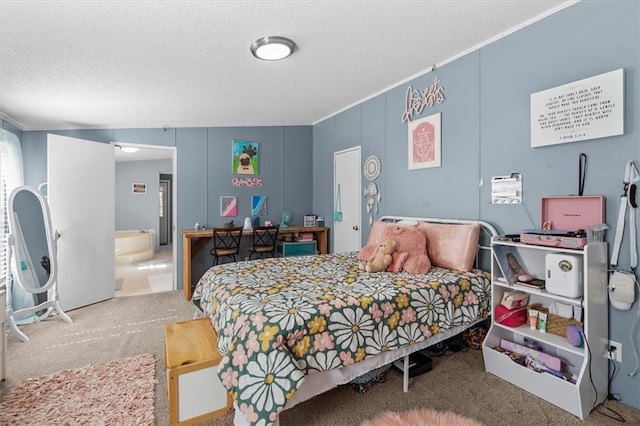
128 149
273 48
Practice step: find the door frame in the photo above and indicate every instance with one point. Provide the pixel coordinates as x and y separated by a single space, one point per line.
169 200
174 198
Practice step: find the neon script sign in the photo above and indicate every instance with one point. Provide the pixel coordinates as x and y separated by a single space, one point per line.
416 100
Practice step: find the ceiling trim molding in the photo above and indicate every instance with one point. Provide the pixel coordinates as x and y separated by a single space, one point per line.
452 58
10 120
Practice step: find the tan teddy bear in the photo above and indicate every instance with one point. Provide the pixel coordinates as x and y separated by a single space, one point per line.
408 240
381 259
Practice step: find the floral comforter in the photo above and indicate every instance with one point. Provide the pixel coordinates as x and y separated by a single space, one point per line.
281 319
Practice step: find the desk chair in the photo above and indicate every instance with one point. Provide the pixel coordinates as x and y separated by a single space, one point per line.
264 241
226 243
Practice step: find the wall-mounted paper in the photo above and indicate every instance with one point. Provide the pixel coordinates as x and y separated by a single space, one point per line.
506 189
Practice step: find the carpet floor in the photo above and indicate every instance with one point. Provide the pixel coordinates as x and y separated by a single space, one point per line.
119 392
128 326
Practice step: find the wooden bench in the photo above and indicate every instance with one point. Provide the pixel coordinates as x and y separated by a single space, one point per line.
191 360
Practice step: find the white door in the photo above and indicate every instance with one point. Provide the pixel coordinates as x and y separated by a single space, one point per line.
81 188
346 174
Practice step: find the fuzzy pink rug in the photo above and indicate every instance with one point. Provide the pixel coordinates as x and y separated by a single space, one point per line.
421 417
117 392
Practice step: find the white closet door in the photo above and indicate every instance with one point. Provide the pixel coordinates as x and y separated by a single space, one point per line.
347 172
81 177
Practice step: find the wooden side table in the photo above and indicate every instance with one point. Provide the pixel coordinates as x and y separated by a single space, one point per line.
191 360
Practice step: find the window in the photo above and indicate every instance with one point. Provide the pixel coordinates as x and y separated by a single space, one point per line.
11 176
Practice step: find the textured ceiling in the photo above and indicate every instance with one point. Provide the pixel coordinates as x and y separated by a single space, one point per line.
139 64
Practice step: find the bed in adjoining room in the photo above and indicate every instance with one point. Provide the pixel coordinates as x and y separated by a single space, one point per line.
294 327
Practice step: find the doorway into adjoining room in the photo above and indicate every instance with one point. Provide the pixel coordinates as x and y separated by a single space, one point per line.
144 259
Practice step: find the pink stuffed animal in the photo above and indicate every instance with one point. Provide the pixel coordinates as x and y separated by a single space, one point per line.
408 240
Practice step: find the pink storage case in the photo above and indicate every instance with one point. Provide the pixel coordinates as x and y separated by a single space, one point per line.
567 214
572 212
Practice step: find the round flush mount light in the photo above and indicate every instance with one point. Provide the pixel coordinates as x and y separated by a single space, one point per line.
272 48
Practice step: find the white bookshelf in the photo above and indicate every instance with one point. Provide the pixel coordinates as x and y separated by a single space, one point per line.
587 364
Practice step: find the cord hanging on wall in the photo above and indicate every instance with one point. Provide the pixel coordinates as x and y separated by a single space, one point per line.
582 172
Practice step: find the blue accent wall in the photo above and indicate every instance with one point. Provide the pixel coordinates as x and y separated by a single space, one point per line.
203 174
486 133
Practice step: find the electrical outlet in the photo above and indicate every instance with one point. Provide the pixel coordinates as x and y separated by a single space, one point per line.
614 351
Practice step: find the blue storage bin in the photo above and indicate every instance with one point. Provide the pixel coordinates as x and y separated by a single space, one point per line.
295 248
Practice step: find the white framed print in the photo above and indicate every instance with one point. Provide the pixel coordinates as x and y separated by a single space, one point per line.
424 142
585 109
138 188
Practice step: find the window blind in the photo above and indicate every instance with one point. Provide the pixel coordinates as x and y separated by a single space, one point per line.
10 178
4 223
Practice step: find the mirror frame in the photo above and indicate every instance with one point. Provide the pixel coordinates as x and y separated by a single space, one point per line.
51 245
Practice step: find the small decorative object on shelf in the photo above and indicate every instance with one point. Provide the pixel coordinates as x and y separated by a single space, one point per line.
309 220
305 236
285 219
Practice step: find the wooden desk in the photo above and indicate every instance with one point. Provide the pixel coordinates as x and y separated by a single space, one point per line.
193 241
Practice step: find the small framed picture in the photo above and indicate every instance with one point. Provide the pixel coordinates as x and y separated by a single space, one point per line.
245 158
228 206
139 188
258 205
309 221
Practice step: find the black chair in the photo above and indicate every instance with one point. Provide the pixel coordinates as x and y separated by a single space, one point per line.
226 243
264 241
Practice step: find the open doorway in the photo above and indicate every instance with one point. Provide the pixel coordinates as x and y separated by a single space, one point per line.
145 214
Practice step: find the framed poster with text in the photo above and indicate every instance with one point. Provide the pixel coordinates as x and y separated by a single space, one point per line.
585 109
425 142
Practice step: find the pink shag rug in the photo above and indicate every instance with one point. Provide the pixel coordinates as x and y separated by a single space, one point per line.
421 417
117 392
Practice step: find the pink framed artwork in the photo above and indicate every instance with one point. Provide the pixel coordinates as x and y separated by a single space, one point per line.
424 142
228 206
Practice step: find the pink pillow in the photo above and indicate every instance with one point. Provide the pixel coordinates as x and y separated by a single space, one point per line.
451 246
398 261
375 232
373 239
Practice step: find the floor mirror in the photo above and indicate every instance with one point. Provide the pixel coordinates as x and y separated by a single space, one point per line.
32 291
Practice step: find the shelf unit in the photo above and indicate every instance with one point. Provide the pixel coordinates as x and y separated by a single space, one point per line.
587 363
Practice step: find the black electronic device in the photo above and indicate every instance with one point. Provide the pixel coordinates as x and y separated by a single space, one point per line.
419 363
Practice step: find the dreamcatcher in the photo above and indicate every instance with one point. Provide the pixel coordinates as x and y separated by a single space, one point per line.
371 192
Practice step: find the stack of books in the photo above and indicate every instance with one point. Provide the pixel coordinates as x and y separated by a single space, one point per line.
534 284
305 236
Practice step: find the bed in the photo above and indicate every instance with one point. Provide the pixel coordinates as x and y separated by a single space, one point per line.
292 328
